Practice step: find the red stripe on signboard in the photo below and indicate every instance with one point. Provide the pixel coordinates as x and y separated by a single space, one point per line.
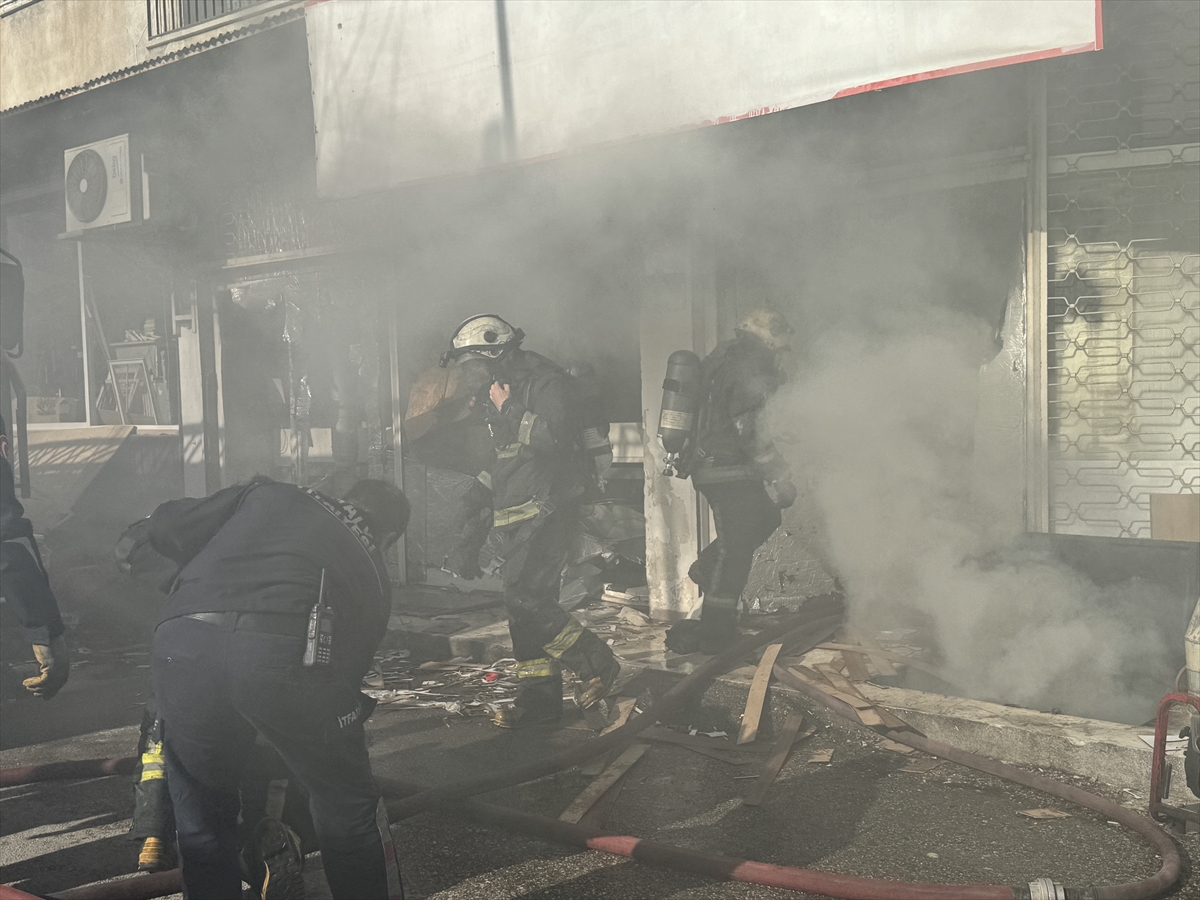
1096 44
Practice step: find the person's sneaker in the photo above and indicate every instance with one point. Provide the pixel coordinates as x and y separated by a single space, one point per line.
525 716
280 849
156 856
596 689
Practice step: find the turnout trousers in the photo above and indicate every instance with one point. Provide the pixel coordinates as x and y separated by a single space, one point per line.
544 635
215 688
745 518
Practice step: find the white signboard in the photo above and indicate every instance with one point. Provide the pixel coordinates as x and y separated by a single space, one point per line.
411 89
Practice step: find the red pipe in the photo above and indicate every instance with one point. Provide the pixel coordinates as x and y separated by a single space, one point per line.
139 887
68 770
8 892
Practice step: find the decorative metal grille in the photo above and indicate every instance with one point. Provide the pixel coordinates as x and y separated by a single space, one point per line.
165 16
1124 271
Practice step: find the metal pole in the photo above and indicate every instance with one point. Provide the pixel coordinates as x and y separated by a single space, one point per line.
506 89
83 328
1037 447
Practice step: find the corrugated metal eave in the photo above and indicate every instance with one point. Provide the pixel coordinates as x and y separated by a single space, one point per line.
175 55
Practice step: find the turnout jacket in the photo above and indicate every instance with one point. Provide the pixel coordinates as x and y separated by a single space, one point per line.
740 375
539 462
260 547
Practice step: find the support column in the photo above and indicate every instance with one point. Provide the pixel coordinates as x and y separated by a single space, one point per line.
1037 448
672 318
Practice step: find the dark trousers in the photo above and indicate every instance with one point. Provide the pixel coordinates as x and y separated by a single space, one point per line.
215 688
745 518
26 586
535 553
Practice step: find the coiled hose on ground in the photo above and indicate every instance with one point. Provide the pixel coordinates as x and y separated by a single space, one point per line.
812 626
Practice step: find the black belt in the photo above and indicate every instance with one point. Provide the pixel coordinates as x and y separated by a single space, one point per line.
289 624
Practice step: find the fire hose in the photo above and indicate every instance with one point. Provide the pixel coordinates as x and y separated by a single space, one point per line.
410 799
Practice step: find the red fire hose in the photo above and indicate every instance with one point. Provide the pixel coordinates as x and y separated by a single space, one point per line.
66 771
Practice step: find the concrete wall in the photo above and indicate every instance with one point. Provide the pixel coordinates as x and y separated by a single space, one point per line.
58 44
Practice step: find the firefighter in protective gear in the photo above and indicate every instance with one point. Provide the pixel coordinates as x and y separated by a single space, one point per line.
26 586
739 471
537 482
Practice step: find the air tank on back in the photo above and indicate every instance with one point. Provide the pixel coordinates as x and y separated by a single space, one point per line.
680 405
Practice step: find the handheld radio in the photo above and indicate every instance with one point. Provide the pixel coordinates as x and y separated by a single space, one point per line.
318 648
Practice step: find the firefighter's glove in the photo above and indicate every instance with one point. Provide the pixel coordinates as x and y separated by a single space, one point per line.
782 492
55 664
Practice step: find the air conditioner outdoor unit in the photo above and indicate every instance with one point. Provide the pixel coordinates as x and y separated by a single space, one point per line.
102 184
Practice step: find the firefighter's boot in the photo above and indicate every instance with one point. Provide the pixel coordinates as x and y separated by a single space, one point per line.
590 659
156 856
718 624
539 695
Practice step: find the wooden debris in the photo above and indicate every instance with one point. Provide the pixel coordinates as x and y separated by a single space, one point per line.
1043 813
856 666
625 707
895 747
598 814
839 686
594 718
821 756
598 764
603 782
703 746
758 695
921 766
774 762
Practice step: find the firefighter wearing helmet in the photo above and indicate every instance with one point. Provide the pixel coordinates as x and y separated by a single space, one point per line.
535 487
738 470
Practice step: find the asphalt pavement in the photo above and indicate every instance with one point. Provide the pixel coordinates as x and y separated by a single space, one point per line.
858 813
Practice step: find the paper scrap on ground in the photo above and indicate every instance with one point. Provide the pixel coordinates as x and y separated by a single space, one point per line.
821 756
895 747
1044 813
921 766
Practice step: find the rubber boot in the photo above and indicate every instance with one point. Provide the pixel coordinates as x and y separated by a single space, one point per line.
593 662
718 625
538 702
156 856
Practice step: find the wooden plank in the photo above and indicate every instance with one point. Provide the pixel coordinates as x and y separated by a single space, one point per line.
598 764
863 708
666 736
603 782
856 665
758 695
878 656
774 762
598 814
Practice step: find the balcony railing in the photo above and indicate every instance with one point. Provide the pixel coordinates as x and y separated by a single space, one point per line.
166 16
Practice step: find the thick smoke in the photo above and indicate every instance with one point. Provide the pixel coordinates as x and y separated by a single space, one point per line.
886 435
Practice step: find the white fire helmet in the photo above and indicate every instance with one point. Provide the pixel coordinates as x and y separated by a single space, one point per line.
769 326
487 336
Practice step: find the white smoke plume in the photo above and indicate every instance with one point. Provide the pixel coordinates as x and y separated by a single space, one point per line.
885 433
